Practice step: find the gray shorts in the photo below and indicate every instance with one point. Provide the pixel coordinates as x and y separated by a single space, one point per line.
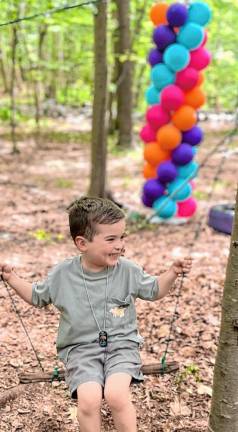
90 362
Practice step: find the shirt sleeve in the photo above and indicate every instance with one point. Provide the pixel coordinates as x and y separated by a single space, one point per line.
147 286
41 293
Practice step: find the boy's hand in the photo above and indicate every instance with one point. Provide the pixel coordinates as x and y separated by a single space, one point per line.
182 266
6 271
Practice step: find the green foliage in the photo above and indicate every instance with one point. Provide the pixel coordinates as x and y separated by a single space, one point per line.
62 183
191 370
63 67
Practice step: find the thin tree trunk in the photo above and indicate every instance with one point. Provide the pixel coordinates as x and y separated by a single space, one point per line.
224 408
13 91
124 84
3 70
99 129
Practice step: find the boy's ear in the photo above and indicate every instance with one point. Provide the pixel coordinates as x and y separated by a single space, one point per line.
81 243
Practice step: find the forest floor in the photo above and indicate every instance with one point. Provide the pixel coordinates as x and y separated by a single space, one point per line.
35 188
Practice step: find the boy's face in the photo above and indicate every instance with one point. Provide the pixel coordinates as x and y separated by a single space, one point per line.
106 247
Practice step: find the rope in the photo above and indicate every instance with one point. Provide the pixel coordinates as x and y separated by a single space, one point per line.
22 323
50 12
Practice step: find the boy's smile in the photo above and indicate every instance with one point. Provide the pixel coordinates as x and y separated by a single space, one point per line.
106 247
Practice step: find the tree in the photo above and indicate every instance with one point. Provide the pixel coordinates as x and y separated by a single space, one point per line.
124 75
99 134
224 408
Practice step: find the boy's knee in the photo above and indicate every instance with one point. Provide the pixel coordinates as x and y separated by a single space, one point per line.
88 406
116 400
89 401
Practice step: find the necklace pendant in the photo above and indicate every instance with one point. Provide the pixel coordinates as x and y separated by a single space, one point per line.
102 338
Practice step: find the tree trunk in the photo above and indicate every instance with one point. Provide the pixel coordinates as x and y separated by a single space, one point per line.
99 133
13 91
124 83
224 408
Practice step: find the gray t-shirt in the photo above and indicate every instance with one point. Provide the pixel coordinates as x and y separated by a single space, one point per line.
64 287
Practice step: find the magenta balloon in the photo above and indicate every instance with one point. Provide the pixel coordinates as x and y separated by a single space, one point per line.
187 78
172 98
157 117
187 208
200 58
148 134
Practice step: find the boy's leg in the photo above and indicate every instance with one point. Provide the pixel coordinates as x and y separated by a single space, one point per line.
89 404
117 394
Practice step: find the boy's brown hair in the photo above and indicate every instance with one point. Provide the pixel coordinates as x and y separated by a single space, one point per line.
86 212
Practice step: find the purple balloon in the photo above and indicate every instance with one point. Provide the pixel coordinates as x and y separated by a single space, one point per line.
183 154
177 14
166 172
148 202
153 189
163 36
155 56
193 136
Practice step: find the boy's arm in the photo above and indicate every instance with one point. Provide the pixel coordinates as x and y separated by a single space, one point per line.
167 279
22 287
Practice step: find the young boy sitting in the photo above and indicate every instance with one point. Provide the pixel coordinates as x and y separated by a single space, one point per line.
95 292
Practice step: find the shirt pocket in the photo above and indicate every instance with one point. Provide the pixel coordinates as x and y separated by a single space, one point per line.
121 312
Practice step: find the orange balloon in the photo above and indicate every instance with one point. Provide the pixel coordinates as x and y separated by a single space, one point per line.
149 171
158 14
195 97
184 118
200 78
169 137
153 154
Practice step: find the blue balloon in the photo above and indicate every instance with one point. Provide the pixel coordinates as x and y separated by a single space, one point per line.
180 189
194 150
191 35
152 95
176 57
161 76
165 207
199 13
189 170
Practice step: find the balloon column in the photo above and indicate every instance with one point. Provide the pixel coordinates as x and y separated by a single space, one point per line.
171 135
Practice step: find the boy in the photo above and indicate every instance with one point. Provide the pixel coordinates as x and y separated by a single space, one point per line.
95 292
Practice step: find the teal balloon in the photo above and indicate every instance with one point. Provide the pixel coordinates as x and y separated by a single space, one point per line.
165 207
191 35
161 76
189 170
199 13
176 57
180 189
152 95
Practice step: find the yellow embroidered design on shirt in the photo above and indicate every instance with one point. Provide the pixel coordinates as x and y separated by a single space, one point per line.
118 312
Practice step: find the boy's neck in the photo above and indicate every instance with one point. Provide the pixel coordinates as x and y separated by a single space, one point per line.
88 266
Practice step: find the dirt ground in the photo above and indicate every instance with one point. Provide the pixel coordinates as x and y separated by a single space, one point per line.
35 188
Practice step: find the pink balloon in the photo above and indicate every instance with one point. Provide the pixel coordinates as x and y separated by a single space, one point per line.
187 78
157 117
200 58
148 134
187 208
172 98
